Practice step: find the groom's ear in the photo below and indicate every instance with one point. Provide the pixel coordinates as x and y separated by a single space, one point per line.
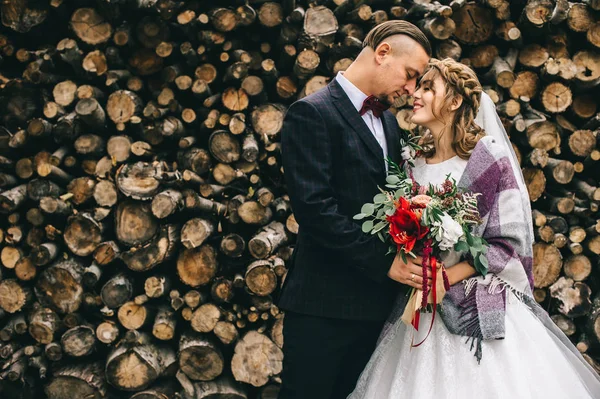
382 50
456 103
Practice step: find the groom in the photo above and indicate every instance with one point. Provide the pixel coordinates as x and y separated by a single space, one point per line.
341 284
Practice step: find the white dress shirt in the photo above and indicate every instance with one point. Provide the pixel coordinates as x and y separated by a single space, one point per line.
374 124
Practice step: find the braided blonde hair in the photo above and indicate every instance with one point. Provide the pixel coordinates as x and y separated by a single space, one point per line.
459 80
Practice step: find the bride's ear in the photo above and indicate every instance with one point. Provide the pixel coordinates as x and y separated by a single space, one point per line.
456 103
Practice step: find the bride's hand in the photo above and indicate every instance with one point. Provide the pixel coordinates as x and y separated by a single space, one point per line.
409 273
460 272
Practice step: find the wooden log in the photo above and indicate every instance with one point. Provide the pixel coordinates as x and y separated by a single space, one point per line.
252 212
117 291
267 240
233 245
473 24
194 201
195 231
223 386
226 332
25 269
159 249
547 264
167 203
138 180
106 252
593 321
133 316
205 318
90 26
44 325
197 266
260 278
77 380
224 146
59 286
157 286
574 298
578 267
78 341
556 97
135 366
200 358
11 199
588 67
134 223
195 159
222 290
164 324
83 234
561 171
543 135
16 325
107 332
255 348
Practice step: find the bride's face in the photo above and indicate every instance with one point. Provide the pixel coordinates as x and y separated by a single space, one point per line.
428 102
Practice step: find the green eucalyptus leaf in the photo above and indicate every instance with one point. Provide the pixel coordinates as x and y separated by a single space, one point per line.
368 209
483 260
359 216
379 226
470 239
392 179
461 246
367 226
379 198
481 265
390 211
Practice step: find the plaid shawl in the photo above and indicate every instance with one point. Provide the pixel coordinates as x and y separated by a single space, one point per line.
476 308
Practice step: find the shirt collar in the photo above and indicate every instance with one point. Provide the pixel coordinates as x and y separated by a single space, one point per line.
356 96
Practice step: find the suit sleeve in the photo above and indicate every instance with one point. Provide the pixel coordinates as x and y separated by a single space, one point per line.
307 160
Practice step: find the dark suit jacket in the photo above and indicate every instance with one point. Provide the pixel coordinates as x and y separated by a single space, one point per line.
333 165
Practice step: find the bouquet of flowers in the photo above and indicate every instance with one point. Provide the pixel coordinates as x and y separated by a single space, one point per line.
426 220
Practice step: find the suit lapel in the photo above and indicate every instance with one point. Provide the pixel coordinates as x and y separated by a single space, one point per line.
392 137
346 108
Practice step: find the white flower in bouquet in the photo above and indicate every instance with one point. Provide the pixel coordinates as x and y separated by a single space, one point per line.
408 153
447 232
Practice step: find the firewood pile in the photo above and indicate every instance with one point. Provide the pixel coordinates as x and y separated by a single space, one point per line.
145 224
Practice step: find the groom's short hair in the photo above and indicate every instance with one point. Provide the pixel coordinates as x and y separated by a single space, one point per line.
396 27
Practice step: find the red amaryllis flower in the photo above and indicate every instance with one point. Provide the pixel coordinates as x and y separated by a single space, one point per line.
405 227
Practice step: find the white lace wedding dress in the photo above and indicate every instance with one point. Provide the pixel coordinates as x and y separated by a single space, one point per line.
533 361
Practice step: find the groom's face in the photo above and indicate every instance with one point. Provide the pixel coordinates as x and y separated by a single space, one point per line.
398 70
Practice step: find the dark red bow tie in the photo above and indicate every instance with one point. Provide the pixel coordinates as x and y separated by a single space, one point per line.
373 104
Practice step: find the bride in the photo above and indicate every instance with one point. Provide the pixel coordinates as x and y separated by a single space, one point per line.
490 337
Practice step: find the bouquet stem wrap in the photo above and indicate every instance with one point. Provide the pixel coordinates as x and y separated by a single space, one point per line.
420 299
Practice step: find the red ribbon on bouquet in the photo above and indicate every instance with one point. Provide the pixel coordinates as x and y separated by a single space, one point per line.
429 261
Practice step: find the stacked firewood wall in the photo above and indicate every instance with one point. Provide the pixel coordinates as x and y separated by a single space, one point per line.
145 224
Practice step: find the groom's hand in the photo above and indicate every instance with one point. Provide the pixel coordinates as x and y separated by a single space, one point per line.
409 273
